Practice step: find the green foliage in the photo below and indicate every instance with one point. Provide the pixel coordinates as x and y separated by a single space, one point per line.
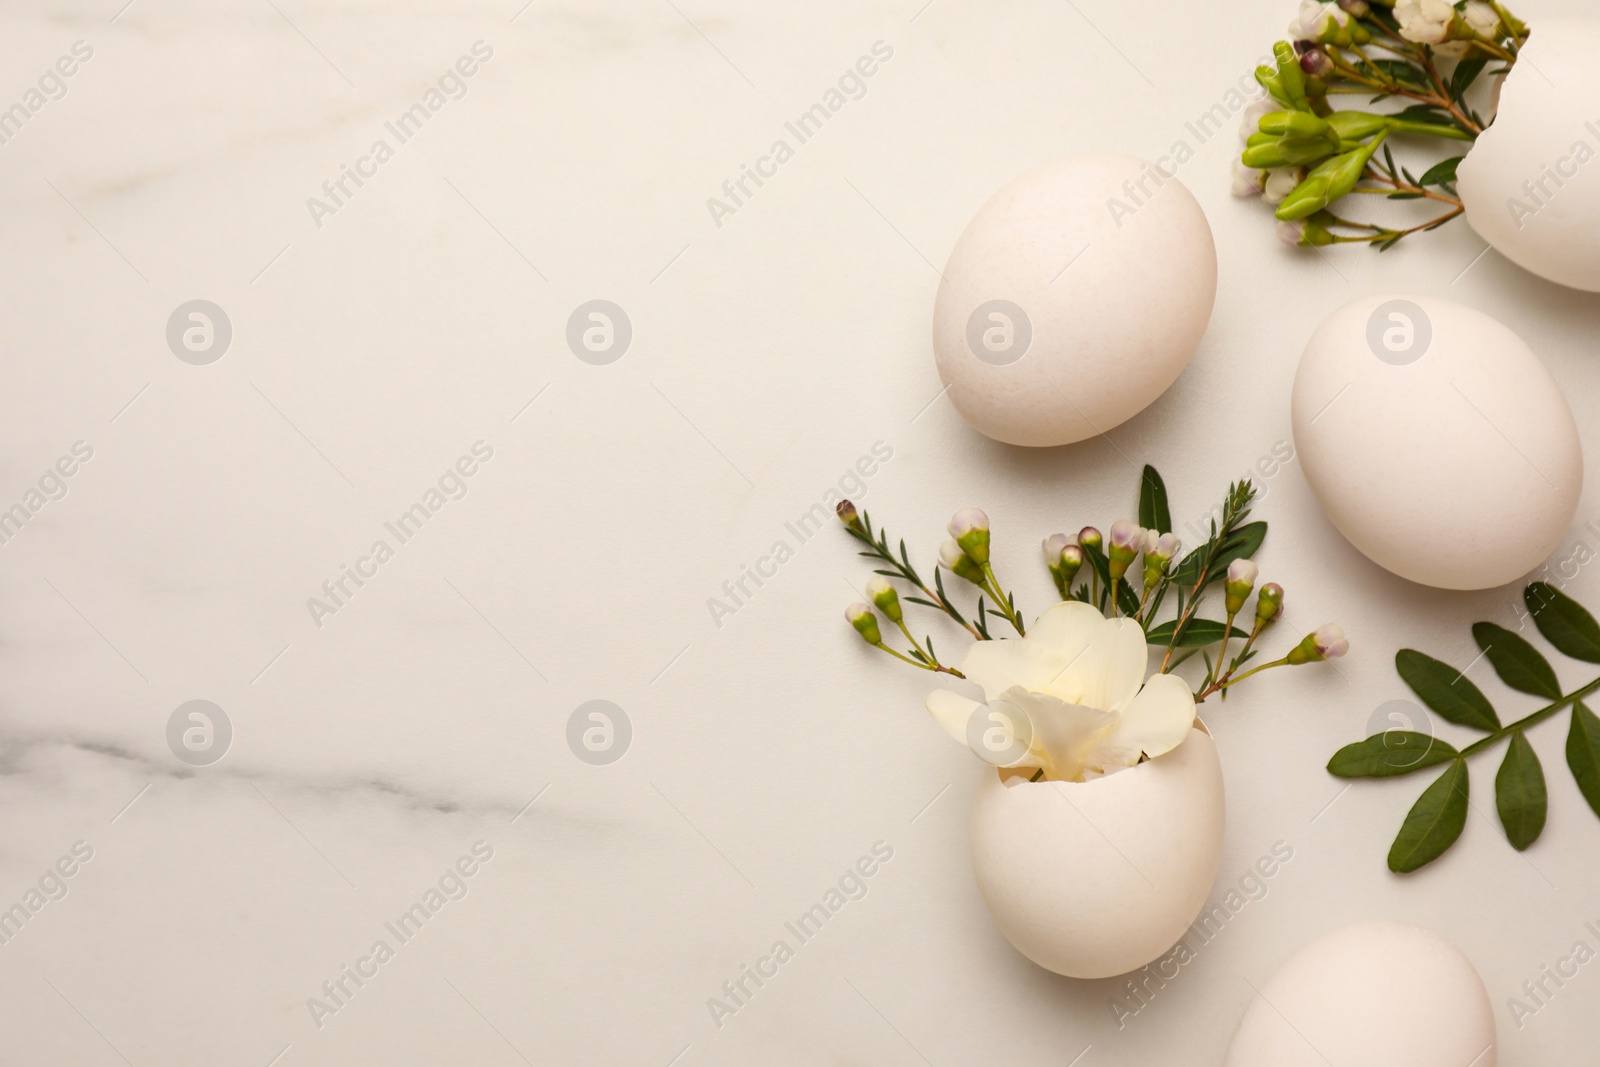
1434 821
1388 754
1521 797
1153 512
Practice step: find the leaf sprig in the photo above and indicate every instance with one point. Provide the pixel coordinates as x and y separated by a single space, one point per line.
1437 819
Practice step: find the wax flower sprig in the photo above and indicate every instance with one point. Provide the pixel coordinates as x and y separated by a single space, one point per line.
1130 573
1302 155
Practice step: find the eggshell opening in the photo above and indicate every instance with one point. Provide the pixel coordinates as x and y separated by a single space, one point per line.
1094 879
1531 182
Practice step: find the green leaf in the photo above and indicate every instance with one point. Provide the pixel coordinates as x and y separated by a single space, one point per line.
1241 544
1402 71
1446 690
1423 113
1388 754
1441 173
1198 633
1467 72
1434 822
1564 622
1583 754
1519 793
1153 513
1518 663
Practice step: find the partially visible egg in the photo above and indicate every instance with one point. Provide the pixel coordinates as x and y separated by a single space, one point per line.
1377 994
1531 183
1073 299
1098 878
1436 441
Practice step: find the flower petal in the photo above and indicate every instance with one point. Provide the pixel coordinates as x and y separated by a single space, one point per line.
1065 636
1108 672
1157 721
952 711
1011 661
1064 735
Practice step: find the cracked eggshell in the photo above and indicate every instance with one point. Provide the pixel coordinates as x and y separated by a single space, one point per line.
1098 878
1073 299
1436 441
1531 183
1378 994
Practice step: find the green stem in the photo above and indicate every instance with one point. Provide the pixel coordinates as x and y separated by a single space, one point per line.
1253 670
1428 129
901 623
1213 675
1214 685
936 668
993 584
1527 721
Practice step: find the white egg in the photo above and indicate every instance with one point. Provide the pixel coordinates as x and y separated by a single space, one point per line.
1531 183
1377 994
1098 878
1436 441
1073 299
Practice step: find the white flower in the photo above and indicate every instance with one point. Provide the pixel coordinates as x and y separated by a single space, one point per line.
1314 19
1077 677
1250 118
1281 181
1483 19
1424 21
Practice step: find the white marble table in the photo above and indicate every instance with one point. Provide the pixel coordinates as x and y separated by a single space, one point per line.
401 341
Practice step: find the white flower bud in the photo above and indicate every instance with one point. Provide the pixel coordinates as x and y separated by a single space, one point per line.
1247 181
866 624
1281 181
882 594
970 528
1331 641
1482 19
959 563
1424 21
1052 547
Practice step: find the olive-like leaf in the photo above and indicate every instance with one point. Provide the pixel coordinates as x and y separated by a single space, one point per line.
1441 172
1434 822
1519 793
1388 754
1243 543
1401 71
1467 72
1153 512
1583 754
1446 690
1518 663
1564 622
1199 633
